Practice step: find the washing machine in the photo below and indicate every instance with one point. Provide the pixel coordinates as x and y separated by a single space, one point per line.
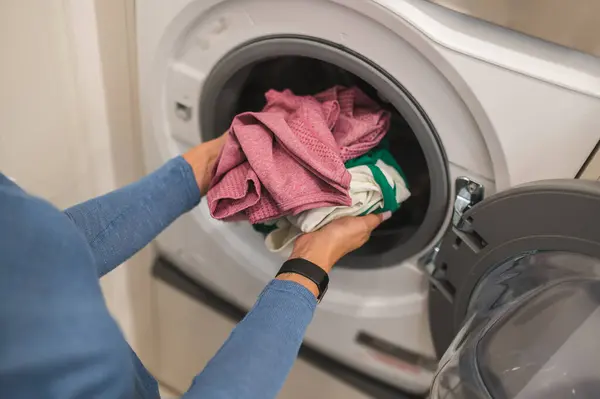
477 109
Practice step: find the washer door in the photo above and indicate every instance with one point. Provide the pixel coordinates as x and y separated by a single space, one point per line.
556 215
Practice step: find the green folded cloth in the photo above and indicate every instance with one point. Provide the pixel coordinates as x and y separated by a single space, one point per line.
376 160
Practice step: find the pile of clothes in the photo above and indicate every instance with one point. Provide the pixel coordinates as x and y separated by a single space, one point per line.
304 161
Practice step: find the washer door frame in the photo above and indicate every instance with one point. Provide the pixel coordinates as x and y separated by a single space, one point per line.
515 221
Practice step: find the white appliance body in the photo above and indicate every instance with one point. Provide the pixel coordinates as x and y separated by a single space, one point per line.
508 109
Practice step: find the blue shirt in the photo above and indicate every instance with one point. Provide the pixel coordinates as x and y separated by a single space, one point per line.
57 338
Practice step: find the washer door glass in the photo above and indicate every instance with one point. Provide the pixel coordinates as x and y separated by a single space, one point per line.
532 333
547 348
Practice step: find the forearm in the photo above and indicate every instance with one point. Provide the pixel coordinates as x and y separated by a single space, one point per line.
259 353
120 223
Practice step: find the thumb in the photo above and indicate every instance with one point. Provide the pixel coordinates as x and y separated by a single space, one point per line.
372 220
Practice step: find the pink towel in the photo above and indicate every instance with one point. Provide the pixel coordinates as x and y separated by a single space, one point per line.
290 157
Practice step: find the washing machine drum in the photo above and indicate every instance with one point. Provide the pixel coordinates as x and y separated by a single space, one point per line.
522 288
238 84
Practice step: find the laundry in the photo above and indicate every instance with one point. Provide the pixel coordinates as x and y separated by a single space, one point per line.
378 185
290 157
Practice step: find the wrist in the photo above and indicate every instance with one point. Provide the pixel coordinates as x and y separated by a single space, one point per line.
322 257
202 159
303 281
198 161
321 252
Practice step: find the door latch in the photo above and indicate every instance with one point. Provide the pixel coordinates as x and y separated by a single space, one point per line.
468 194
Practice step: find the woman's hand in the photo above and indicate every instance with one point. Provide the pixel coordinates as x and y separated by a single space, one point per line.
326 246
202 159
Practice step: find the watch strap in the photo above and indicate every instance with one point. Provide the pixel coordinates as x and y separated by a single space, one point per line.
309 270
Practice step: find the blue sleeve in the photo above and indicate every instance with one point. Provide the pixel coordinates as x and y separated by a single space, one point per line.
122 222
256 358
253 362
57 338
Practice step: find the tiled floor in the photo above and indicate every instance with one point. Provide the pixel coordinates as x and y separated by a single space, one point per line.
190 333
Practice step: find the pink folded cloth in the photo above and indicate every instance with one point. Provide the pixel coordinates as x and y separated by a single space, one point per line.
290 157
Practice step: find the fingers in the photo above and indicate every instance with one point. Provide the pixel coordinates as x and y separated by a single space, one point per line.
372 220
386 215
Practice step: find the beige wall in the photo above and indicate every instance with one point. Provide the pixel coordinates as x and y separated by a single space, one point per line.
68 120
42 140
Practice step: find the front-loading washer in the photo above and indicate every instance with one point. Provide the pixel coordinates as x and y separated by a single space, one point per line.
477 109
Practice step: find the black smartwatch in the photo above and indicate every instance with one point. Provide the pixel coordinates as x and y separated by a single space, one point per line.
308 270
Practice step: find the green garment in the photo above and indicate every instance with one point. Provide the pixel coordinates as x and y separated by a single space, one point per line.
370 159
